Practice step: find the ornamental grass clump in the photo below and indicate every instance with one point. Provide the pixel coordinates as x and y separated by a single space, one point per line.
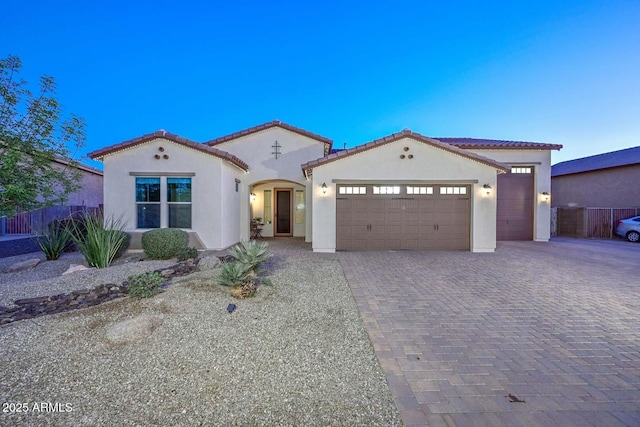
145 285
102 241
243 273
54 241
164 243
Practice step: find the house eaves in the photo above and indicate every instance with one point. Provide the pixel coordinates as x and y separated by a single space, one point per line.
493 144
307 168
328 143
100 154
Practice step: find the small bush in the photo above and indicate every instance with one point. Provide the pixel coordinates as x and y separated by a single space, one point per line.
164 243
54 241
145 285
187 253
104 240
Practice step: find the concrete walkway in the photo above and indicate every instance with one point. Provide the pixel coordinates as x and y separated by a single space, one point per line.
536 334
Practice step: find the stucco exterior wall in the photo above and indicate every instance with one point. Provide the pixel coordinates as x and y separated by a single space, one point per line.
212 182
91 192
256 150
383 164
541 161
612 188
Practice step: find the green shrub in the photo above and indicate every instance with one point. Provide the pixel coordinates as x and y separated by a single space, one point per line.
187 253
145 285
164 243
54 241
104 240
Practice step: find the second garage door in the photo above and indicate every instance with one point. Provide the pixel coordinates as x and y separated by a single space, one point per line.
409 217
515 204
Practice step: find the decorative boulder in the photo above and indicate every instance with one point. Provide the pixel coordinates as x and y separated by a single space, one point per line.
23 265
75 267
210 262
132 330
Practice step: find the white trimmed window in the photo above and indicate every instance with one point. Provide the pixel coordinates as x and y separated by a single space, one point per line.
387 189
419 190
453 190
163 202
352 190
521 170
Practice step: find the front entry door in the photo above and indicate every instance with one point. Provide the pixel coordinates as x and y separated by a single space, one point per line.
283 212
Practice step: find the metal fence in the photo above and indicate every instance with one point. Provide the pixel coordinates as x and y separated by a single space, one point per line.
28 222
589 222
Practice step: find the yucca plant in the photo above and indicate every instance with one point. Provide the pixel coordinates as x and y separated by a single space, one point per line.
54 241
103 242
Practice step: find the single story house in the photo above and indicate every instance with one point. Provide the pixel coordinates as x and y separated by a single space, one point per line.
604 180
403 191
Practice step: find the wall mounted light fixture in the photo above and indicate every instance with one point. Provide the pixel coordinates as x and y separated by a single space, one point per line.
253 196
545 196
487 189
324 188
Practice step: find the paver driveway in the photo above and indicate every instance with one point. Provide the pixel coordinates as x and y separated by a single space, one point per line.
556 325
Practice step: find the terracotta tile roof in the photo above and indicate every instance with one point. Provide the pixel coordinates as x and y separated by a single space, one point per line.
328 143
470 143
626 157
98 154
406 133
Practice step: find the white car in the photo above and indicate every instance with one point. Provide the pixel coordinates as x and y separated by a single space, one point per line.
629 228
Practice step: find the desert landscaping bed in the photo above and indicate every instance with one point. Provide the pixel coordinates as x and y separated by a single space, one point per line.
296 354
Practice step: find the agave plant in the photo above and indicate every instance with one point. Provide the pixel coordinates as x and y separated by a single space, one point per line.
234 274
252 253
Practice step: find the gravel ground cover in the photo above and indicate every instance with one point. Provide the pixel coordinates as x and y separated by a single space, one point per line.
46 278
296 354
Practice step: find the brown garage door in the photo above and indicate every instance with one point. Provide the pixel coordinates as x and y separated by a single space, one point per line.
413 217
515 204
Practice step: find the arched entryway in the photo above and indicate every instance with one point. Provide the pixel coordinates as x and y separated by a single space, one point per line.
280 207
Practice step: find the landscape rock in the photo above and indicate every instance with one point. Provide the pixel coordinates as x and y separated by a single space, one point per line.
132 330
75 267
209 263
23 265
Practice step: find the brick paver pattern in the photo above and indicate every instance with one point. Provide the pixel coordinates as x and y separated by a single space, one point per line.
535 334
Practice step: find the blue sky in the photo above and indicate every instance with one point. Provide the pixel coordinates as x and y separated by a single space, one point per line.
564 72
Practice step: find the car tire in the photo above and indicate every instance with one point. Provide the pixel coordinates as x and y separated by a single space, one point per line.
633 236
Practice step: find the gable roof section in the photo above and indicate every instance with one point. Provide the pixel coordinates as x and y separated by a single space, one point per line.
81 166
471 143
307 168
626 157
99 154
328 143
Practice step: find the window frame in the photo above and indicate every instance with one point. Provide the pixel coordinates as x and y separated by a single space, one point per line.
164 203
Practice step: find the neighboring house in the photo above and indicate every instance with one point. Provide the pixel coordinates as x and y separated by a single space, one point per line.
90 193
605 180
403 191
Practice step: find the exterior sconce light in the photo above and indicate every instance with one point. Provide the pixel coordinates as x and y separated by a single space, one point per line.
253 196
545 196
487 189
324 188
